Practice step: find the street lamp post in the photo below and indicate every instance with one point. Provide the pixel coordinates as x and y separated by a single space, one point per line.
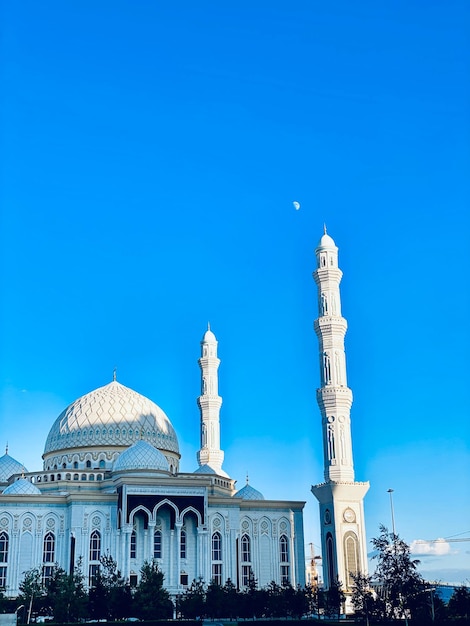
390 491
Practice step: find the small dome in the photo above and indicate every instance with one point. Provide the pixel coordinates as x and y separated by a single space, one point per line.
141 456
326 242
249 493
205 469
9 466
21 487
208 469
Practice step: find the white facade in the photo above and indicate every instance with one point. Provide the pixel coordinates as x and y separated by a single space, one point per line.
111 484
340 497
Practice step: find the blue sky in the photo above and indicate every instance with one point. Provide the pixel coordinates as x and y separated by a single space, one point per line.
151 153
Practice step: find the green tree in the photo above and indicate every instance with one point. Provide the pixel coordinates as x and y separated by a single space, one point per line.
66 595
192 603
402 585
459 603
110 596
30 589
215 601
253 600
334 599
364 601
151 599
231 599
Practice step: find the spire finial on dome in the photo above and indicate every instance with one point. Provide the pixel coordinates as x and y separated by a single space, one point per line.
6 448
247 478
208 325
324 228
114 374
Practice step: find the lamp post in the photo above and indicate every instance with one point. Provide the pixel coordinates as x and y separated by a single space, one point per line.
390 491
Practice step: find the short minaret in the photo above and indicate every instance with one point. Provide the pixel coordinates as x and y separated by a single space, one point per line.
341 499
209 402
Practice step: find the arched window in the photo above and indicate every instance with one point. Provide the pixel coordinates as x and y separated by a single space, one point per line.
246 559
157 544
183 544
330 564
48 558
95 546
3 559
102 464
351 557
88 464
95 555
133 544
3 547
217 558
284 559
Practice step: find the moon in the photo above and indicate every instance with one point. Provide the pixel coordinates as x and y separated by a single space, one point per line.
296 205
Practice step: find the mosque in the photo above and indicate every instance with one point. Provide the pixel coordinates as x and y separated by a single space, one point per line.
111 485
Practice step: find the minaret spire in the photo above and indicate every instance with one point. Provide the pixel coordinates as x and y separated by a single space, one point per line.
340 497
209 403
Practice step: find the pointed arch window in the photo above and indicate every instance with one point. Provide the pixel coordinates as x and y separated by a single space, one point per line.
246 559
3 559
95 555
48 558
330 564
157 544
133 553
3 547
284 559
183 544
216 550
351 557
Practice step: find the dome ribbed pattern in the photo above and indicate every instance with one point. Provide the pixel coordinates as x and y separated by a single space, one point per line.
113 415
21 487
249 493
141 455
9 466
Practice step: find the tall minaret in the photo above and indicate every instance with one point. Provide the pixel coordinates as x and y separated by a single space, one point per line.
341 499
210 456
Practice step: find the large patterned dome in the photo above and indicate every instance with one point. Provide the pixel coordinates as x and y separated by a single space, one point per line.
112 416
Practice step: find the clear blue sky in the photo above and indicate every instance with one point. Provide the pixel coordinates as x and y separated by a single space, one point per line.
151 153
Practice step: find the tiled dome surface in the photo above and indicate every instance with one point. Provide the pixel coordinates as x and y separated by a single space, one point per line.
113 415
205 469
249 493
8 467
141 455
21 487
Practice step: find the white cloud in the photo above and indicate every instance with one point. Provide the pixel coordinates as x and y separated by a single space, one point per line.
438 547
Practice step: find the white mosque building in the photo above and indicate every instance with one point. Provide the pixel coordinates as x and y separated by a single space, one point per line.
111 484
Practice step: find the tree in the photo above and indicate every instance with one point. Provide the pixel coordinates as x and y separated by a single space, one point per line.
215 601
459 603
110 596
364 601
30 589
66 595
151 599
231 600
396 571
192 602
334 599
253 600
